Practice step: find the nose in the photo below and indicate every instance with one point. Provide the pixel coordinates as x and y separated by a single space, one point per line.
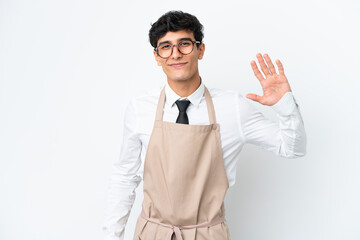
175 52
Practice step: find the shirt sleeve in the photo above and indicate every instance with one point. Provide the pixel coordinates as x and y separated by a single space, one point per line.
123 180
286 138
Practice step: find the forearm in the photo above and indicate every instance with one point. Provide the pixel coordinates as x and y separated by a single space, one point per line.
121 197
291 128
286 137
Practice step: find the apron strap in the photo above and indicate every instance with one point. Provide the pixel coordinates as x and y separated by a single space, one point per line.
177 229
209 104
160 106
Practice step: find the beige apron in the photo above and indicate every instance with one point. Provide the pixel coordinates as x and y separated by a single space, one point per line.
185 182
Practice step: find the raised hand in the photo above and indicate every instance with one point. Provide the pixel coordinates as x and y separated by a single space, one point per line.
274 85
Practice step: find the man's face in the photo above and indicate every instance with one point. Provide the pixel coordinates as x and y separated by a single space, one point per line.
180 67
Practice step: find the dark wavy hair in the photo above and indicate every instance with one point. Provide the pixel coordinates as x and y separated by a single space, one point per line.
173 21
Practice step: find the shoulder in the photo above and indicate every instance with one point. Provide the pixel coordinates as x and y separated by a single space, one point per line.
145 100
223 94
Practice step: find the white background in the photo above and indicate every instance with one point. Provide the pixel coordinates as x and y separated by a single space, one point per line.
68 68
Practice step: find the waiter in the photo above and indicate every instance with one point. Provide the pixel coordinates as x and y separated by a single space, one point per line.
185 139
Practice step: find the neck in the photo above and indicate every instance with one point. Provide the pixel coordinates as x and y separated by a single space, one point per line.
185 88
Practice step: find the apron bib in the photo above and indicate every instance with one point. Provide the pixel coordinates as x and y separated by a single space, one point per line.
185 181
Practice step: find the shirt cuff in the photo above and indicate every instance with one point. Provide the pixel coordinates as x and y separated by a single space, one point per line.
286 105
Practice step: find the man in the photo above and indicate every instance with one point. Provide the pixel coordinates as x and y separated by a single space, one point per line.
189 138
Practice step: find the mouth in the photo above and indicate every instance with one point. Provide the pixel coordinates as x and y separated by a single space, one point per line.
178 65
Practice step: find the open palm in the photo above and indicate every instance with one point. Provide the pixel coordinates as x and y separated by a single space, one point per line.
274 85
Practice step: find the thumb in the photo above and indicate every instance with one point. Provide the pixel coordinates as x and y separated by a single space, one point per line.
253 97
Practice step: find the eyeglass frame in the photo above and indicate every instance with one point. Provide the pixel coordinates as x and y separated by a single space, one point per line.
177 46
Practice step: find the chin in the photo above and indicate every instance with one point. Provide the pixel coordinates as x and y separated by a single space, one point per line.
179 77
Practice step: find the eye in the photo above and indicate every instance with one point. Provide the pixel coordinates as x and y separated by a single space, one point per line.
185 44
167 46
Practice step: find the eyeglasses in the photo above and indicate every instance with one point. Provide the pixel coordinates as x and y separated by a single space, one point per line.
184 47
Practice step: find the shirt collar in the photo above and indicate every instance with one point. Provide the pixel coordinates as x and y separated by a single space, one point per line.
171 97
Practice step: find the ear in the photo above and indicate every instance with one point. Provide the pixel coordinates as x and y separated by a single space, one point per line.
201 51
157 58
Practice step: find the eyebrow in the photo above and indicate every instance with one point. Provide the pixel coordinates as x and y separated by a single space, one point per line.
181 39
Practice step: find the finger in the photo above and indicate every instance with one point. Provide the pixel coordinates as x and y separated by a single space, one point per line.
256 71
270 64
280 66
253 97
263 66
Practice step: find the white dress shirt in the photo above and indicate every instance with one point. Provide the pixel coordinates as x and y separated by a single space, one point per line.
239 122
